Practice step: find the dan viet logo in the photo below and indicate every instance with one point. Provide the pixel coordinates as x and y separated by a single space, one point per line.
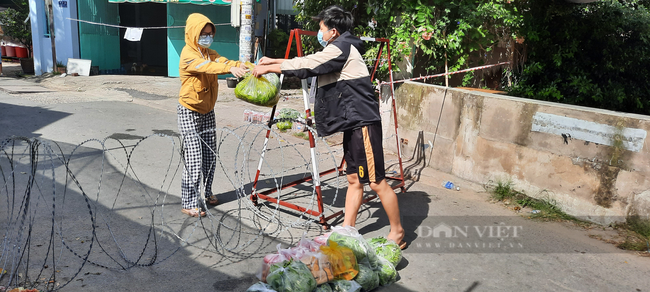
444 236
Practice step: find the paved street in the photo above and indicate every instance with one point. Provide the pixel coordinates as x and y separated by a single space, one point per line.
118 226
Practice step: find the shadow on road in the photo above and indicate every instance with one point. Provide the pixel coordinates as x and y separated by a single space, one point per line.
76 216
17 120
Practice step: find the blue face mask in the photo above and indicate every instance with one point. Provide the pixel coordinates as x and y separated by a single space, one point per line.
205 41
321 41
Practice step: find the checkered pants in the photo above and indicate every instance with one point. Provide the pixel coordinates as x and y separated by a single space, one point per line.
199 144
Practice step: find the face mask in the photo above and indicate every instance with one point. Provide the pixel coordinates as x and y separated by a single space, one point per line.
321 41
205 41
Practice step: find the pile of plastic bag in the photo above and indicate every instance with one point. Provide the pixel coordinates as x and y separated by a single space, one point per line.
263 90
338 261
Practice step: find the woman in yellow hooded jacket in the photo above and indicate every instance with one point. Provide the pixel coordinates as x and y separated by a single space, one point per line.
199 67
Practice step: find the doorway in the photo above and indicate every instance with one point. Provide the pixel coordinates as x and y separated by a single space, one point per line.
149 55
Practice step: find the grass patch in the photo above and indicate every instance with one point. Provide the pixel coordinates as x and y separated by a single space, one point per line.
503 191
635 232
635 243
638 225
545 209
301 135
637 235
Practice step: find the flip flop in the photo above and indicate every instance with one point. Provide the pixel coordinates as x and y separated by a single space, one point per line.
212 200
193 212
402 244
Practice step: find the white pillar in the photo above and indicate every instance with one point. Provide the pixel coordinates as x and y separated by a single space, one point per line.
246 31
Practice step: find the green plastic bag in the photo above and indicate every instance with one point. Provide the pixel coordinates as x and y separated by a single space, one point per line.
260 287
367 278
263 90
386 272
345 286
291 276
387 249
323 288
284 115
349 237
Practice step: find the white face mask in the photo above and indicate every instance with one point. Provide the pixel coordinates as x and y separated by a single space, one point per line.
205 41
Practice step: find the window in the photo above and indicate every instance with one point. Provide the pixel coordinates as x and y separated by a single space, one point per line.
47 19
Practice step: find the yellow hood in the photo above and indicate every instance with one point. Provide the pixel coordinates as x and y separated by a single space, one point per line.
193 27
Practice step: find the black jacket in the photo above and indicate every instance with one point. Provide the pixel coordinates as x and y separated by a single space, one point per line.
345 98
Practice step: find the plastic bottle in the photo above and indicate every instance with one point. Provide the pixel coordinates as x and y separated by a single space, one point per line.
247 114
448 185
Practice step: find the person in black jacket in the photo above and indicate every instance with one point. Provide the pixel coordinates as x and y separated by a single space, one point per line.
345 102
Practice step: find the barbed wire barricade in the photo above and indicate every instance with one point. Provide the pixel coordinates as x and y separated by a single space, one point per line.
116 205
444 74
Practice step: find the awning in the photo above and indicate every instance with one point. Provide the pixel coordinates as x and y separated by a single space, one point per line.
200 2
286 7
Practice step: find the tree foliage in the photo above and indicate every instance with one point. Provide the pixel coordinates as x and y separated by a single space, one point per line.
435 30
14 25
595 55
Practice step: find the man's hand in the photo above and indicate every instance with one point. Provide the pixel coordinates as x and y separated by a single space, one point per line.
238 71
243 66
260 70
266 61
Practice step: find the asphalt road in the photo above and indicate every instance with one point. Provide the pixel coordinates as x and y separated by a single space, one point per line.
104 211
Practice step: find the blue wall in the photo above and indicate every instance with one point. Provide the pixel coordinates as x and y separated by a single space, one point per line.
225 39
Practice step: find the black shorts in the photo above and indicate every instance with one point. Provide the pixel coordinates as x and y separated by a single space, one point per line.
363 153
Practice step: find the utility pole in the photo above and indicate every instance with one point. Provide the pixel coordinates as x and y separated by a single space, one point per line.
51 25
246 31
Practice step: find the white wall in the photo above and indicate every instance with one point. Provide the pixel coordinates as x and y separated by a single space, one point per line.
66 34
592 163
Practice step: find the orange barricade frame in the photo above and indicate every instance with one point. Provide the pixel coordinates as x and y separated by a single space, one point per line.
297 33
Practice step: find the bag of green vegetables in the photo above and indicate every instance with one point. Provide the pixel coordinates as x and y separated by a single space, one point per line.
263 90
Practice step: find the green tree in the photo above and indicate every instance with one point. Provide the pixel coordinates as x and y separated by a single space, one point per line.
14 24
434 30
596 55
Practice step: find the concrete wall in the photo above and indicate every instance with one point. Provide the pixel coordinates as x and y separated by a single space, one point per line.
66 34
594 163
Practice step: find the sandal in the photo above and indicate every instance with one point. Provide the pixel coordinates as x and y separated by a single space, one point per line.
402 244
193 212
212 200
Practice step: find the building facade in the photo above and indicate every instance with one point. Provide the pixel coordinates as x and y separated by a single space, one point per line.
94 30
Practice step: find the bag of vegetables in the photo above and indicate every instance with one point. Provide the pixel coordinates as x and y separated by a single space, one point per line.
387 249
367 278
345 286
263 90
322 239
271 259
284 115
386 272
349 237
342 259
319 265
291 276
260 287
323 288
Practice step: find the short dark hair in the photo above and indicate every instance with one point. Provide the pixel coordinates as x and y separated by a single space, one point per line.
335 17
